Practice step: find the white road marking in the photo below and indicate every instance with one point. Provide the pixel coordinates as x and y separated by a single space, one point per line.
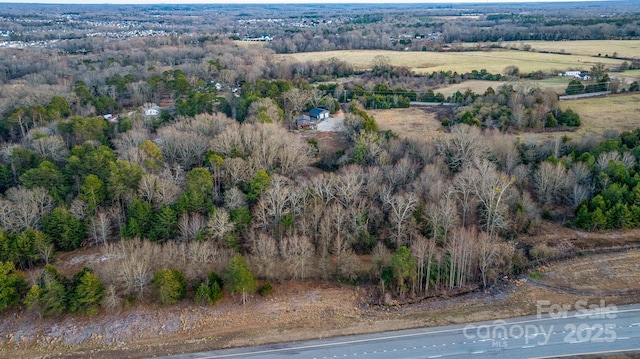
478 352
528 346
623 338
388 337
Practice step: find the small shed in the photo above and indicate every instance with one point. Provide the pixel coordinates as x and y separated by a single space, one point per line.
319 114
304 122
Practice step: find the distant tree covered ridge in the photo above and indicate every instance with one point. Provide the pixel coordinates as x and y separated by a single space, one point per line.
318 27
181 158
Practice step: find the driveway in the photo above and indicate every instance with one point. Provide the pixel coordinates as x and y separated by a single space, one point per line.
335 123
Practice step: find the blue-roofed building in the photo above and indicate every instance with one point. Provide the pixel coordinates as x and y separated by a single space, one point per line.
319 114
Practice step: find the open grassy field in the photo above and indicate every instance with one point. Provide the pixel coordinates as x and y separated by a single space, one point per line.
426 62
622 48
412 123
620 113
629 76
557 84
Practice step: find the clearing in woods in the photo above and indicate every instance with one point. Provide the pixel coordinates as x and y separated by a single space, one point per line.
493 61
412 123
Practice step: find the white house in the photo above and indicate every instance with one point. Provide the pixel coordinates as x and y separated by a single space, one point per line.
572 73
152 111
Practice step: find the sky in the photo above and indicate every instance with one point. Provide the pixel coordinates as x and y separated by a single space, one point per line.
275 1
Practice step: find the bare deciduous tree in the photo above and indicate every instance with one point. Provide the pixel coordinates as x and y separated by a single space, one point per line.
273 205
52 147
219 225
551 182
100 227
401 173
265 146
460 249
264 255
487 249
606 157
400 208
191 225
234 198
294 101
423 250
348 185
462 185
25 208
490 186
186 148
297 251
462 146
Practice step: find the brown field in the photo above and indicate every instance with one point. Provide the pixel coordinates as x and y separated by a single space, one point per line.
250 43
477 86
628 76
622 48
480 86
426 62
619 112
596 272
411 123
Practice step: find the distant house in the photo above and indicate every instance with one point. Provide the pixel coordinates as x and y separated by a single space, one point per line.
319 114
152 111
583 77
111 118
264 37
571 73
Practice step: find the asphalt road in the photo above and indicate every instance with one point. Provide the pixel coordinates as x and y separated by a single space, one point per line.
573 329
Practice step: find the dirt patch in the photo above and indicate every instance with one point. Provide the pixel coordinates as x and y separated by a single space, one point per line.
411 123
553 234
614 271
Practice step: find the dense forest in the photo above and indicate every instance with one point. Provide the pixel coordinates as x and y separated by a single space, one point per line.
220 193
